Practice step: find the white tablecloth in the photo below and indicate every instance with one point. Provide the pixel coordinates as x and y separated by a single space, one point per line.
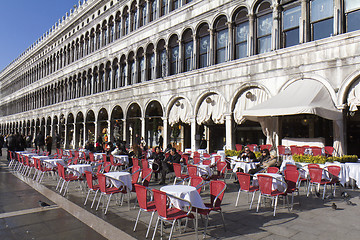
312 142
123 159
352 170
246 166
51 163
277 178
38 157
201 151
203 170
185 192
125 177
80 168
99 156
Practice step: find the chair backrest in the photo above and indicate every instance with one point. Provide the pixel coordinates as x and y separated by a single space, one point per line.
265 183
102 182
70 153
293 149
301 150
37 164
252 147
290 166
313 165
221 167
217 188
244 180
61 170
238 147
291 177
76 154
91 157
146 176
167 155
196 154
141 194
334 170
58 151
104 158
329 150
206 155
217 158
27 162
197 160
107 167
272 170
135 174
185 157
315 174
281 149
206 162
316 151
111 157
177 169
144 163
196 181
135 161
89 179
192 170
160 200
266 146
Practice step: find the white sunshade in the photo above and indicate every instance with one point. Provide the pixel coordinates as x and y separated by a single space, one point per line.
300 97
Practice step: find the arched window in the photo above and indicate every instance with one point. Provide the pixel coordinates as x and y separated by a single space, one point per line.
131 62
116 77
162 59
101 83
98 37
264 27
111 30
123 71
143 13
221 37
150 69
174 55
290 25
118 25
241 33
163 7
95 80
92 41
203 38
141 65
321 18
188 50
108 76
125 22
134 17
175 4
352 15
153 9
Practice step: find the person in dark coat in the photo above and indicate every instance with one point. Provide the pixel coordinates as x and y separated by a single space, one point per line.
158 157
247 155
1 143
11 144
167 165
48 143
40 141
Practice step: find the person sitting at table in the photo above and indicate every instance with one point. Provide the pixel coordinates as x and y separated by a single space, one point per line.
167 165
98 148
158 157
266 162
247 155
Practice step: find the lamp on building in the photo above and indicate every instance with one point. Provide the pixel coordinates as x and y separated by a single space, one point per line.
177 103
208 100
249 95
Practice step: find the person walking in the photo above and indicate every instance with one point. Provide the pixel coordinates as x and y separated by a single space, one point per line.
48 143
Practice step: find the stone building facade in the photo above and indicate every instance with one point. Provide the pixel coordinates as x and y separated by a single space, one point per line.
184 70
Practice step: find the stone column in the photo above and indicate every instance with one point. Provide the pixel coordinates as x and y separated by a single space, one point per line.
158 7
110 131
84 132
251 47
275 40
230 42
304 26
180 58
338 17
124 129
156 64
65 136
165 132
142 133
148 11
193 133
96 130
228 127
211 53
195 53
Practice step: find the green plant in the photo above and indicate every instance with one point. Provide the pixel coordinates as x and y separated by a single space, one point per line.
323 159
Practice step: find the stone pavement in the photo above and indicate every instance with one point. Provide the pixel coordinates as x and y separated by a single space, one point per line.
312 219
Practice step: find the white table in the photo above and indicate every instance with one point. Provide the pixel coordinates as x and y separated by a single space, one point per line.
352 170
203 170
51 163
312 142
123 159
38 157
185 192
246 166
80 168
125 177
99 156
278 180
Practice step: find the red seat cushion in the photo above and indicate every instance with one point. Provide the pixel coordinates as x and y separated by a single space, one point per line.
174 213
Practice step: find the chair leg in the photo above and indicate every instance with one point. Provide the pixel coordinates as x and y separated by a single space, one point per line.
276 201
92 204
107 205
206 225
137 219
237 199
98 202
324 191
156 225
172 228
259 203
87 196
223 219
148 230
252 199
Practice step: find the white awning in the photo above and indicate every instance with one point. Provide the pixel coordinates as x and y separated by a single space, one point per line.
300 97
180 111
211 108
353 99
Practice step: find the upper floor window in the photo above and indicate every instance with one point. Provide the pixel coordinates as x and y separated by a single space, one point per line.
204 46
321 18
188 50
153 9
143 13
291 21
221 40
241 34
163 7
263 28
174 55
352 15
174 4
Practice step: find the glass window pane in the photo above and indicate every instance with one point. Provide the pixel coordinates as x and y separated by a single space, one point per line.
351 5
323 29
241 50
222 38
264 44
175 53
220 55
353 20
204 44
292 17
203 61
188 49
321 9
264 25
242 31
291 37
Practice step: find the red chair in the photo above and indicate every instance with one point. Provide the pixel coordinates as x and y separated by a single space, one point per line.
217 191
67 178
238 147
334 174
135 162
178 174
272 170
316 174
252 147
192 170
316 151
196 182
92 187
206 155
221 170
171 214
146 176
113 163
293 149
196 154
185 157
42 169
301 150
196 160
91 157
206 162
267 146
144 163
217 159
313 165
135 173
290 166
106 167
292 178
329 150
144 204
265 186
244 181
109 191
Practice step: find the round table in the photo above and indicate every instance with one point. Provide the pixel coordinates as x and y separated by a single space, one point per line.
125 177
203 170
278 180
123 159
51 163
80 168
99 156
38 157
185 192
246 166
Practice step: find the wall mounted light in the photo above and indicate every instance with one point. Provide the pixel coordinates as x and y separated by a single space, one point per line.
177 103
249 95
208 100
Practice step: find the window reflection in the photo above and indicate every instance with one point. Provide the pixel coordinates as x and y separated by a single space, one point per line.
291 18
352 15
321 17
264 33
